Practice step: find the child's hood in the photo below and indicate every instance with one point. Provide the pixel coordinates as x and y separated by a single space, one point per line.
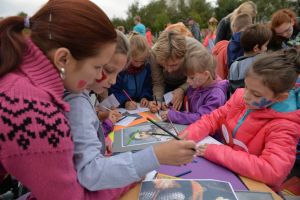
222 84
220 46
235 42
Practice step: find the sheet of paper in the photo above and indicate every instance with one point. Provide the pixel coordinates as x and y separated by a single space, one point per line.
208 140
168 97
122 110
126 121
150 176
138 110
109 102
158 117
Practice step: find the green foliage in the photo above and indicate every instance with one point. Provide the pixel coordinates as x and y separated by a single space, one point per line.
266 8
22 14
158 13
201 11
224 7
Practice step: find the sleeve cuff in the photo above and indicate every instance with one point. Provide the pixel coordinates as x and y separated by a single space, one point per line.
145 161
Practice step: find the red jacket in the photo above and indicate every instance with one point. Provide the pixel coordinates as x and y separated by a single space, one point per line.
271 137
220 53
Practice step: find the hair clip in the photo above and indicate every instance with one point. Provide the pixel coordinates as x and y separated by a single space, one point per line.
27 22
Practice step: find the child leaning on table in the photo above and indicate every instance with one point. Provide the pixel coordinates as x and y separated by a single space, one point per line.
94 170
136 79
260 123
205 93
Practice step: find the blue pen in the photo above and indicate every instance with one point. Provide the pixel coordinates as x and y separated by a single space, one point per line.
183 173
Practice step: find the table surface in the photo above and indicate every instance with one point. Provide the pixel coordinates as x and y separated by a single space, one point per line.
204 169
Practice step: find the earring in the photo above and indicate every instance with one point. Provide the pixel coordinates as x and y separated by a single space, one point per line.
62 73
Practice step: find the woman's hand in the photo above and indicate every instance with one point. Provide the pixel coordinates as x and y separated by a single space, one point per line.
177 100
130 105
144 102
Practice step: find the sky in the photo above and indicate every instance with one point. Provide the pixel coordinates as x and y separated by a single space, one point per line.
113 8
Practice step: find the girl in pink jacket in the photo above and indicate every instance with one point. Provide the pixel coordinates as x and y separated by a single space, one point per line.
260 123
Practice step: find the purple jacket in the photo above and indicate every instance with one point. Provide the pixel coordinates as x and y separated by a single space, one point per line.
201 101
107 127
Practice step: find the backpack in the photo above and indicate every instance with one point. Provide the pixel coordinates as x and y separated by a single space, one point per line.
237 72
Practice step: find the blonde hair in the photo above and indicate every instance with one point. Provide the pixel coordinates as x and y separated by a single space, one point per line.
180 27
122 46
248 7
200 61
170 44
240 22
138 45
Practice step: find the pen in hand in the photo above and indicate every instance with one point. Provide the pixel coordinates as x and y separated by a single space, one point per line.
156 104
174 128
167 131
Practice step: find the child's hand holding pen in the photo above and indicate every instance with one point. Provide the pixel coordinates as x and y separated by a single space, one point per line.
154 107
101 113
130 105
144 102
114 116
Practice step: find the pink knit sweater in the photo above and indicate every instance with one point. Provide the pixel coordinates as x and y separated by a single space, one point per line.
35 139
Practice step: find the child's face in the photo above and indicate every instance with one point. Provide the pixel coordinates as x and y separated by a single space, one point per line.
257 95
110 73
80 73
138 61
198 79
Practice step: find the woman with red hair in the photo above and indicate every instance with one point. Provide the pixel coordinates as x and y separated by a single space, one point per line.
285 30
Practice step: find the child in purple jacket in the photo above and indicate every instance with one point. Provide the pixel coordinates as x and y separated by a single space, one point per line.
205 92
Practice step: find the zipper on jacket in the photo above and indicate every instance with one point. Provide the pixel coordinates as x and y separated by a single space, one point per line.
240 122
135 93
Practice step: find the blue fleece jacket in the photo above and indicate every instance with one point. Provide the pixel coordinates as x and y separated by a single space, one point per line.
137 85
234 49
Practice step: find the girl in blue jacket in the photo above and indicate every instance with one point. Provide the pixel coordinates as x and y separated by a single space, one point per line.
136 79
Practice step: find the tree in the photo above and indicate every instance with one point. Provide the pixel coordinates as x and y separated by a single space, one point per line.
224 7
266 8
22 14
154 16
201 11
